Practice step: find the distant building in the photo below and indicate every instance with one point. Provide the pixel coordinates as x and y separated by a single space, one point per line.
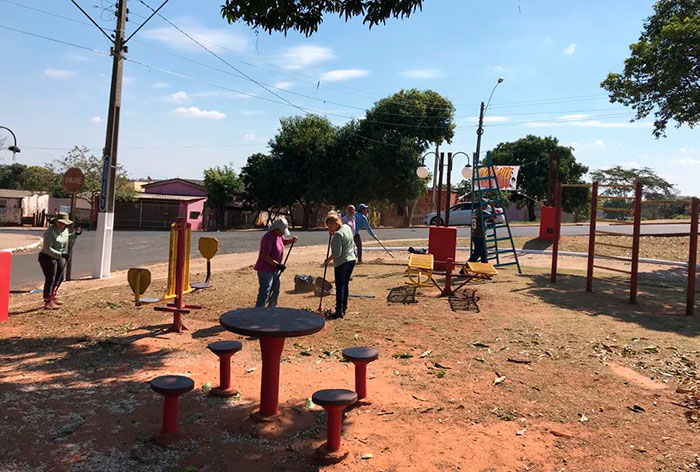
160 203
18 207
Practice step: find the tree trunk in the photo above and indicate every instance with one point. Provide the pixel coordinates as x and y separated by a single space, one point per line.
306 224
530 210
412 212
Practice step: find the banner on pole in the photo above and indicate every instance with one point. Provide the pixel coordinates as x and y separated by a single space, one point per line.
105 184
507 177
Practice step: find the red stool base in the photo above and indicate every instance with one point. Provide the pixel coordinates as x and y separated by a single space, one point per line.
325 456
258 417
223 392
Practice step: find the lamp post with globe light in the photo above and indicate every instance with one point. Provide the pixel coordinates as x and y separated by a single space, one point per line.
14 149
423 172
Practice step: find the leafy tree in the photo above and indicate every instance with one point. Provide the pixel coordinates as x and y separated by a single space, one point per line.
532 153
395 134
38 178
11 176
463 187
223 185
91 166
305 15
662 74
654 187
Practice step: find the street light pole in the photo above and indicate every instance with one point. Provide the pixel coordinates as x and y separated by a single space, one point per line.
14 149
105 217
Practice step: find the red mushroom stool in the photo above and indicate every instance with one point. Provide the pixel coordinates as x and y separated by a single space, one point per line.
334 402
224 349
171 387
360 356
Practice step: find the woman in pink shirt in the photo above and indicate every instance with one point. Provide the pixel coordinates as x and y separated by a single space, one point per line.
270 261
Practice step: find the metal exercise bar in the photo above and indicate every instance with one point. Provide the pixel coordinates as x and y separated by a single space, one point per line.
612 269
615 197
619 210
666 202
557 233
617 186
576 185
591 237
635 241
615 245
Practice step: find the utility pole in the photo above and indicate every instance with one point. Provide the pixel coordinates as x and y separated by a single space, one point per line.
105 218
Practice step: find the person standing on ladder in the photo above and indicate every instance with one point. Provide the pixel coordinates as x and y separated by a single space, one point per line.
361 223
270 261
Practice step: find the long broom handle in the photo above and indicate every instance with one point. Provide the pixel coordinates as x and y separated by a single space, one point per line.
278 274
325 269
380 243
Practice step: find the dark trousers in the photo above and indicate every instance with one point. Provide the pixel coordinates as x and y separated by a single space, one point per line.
342 285
54 270
358 244
478 251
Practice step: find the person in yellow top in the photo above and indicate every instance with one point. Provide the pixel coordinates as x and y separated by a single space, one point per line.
53 256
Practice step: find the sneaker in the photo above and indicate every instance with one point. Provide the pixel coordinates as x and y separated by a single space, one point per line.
50 306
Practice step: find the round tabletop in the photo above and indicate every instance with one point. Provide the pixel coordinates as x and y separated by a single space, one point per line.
272 322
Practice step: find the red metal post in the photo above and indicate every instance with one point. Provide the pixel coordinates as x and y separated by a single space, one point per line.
271 350
591 237
449 189
5 265
692 257
170 414
334 420
449 265
557 234
360 379
635 241
225 371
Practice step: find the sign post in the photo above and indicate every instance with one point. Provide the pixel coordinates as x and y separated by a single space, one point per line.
73 182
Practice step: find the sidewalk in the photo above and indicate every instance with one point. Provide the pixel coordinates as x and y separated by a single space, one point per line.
18 241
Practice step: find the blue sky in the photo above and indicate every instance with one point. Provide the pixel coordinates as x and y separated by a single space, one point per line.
179 117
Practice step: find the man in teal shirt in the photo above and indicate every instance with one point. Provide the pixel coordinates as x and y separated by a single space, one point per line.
361 222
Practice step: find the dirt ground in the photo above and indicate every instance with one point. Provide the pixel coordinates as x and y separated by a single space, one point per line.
542 377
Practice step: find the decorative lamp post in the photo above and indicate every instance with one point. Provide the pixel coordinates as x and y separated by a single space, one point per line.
14 149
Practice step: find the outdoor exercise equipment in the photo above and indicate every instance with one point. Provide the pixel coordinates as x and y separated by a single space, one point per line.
360 356
139 279
207 248
171 387
325 269
5 264
383 247
178 274
334 402
420 265
224 349
278 274
633 259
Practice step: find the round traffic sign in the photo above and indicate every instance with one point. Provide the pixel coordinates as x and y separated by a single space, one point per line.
73 180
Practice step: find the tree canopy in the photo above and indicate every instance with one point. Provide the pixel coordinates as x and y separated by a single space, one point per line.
223 185
306 15
662 74
532 153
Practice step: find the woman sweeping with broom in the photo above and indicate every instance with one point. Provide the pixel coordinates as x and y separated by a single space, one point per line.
343 257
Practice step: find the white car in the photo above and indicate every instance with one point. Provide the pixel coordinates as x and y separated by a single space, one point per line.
460 215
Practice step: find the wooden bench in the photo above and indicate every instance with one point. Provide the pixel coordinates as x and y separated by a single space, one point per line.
420 265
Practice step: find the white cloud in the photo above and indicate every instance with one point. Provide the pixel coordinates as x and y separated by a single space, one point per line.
180 96
194 112
583 121
340 75
631 165
78 57
216 39
96 119
251 112
574 117
249 136
160 85
423 73
570 49
284 85
300 57
490 119
600 143
59 73
685 161
685 150
499 69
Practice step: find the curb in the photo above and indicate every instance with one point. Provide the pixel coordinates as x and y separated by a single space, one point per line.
24 248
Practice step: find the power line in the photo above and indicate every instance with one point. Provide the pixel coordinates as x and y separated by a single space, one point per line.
55 40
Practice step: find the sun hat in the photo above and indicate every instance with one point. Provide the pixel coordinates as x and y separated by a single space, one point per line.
280 224
63 219
362 206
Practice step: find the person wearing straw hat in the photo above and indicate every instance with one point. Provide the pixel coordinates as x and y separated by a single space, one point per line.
270 261
53 256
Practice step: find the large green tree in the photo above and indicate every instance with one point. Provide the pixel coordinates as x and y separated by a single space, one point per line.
305 15
662 74
532 153
223 186
12 176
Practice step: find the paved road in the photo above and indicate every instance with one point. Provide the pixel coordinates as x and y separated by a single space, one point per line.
137 248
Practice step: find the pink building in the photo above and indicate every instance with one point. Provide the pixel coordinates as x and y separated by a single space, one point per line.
163 201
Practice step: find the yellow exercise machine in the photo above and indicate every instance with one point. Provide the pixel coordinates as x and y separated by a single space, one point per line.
208 248
139 280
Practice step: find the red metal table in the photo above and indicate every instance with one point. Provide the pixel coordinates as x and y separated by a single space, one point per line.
272 326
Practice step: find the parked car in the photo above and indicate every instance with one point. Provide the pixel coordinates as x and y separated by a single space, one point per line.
460 215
